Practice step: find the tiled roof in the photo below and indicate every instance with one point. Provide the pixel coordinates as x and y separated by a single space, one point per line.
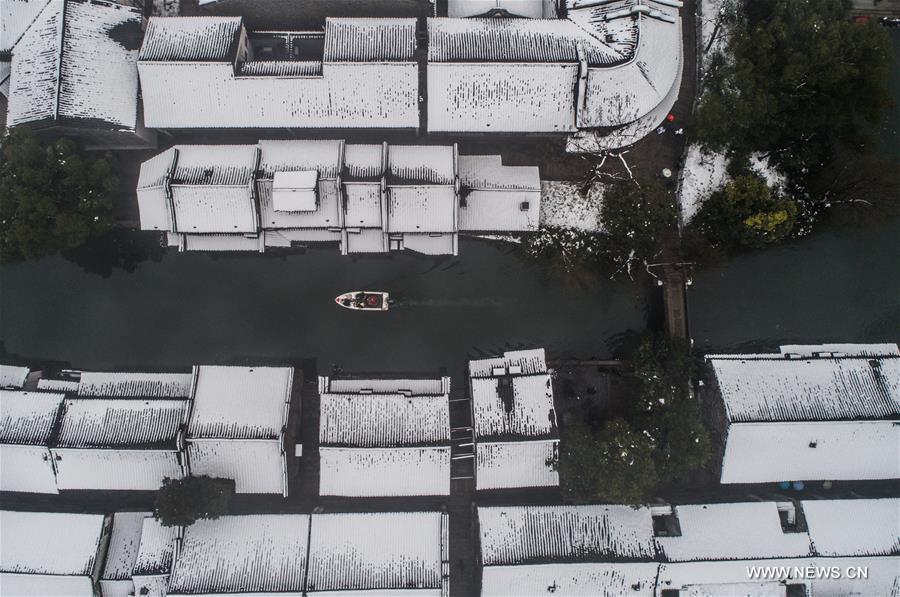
375 551
531 361
514 406
111 423
28 417
121 469
830 450
375 472
413 387
55 73
49 543
854 527
123 545
421 164
634 579
382 420
731 532
135 385
540 534
13 377
240 402
817 389
227 165
191 39
154 555
421 209
242 554
15 18
257 466
323 157
27 468
369 40
513 40
504 465
380 95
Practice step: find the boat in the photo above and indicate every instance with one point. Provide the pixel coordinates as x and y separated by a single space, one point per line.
364 300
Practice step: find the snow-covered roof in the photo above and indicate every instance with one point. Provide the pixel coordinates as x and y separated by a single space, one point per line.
492 97
421 164
256 466
513 406
56 73
543 534
854 527
775 388
154 555
57 385
114 423
421 209
28 417
369 40
731 532
366 81
118 469
194 39
135 385
498 197
375 472
530 361
828 450
240 402
242 554
844 349
41 585
383 420
123 545
323 156
411 387
27 468
623 579
606 64
387 551
500 40
722 578
15 18
13 377
50 543
503 465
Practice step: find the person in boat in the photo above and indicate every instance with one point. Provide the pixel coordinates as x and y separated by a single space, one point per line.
361 300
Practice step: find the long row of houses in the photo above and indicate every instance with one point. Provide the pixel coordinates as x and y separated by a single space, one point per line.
365 198
808 413
784 549
130 431
612 66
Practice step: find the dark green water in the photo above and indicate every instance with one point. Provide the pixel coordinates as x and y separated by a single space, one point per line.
198 308
836 285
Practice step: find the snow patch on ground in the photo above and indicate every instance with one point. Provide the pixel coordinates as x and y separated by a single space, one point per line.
564 206
761 166
703 174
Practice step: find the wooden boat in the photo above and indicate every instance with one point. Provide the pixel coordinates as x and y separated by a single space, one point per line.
364 300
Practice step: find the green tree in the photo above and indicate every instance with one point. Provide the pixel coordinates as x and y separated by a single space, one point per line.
797 80
53 197
614 464
666 408
634 219
181 502
746 213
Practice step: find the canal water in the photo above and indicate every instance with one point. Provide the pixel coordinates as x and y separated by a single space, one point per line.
838 284
200 308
